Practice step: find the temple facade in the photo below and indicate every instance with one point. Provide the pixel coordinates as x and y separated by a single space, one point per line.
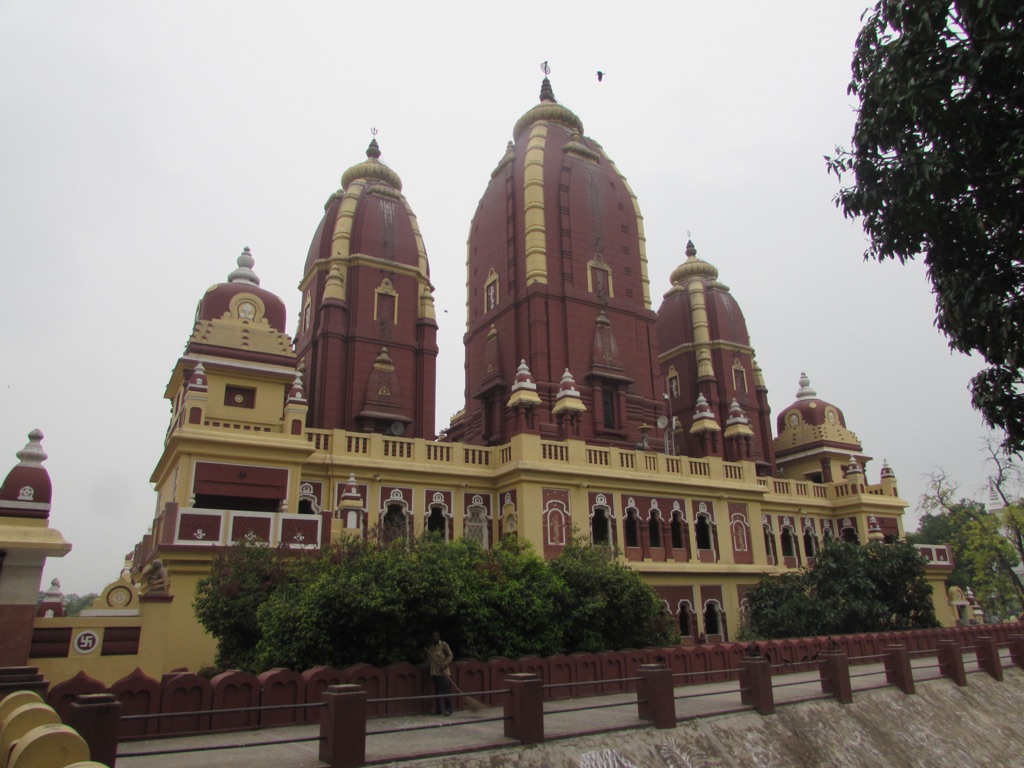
588 410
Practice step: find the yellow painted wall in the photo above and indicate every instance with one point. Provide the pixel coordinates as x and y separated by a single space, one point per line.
171 638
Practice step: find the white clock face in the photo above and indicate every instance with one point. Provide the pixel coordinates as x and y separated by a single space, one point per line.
239 398
793 419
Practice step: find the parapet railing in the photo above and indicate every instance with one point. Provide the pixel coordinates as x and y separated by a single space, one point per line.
358 446
526 707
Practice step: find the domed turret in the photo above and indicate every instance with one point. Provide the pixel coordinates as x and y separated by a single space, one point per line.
239 319
27 541
813 440
27 491
242 298
706 353
367 286
558 235
693 267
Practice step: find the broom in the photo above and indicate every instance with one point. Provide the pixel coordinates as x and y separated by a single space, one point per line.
474 704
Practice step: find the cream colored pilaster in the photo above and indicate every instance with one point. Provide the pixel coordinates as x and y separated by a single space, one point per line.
701 334
533 204
341 242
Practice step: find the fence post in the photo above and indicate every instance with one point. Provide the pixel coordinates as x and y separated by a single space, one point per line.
835 676
756 685
343 727
1017 650
97 718
897 668
654 695
951 661
988 657
524 708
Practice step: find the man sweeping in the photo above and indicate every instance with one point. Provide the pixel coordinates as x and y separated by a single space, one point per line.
439 656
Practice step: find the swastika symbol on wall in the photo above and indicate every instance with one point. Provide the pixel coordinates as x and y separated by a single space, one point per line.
86 642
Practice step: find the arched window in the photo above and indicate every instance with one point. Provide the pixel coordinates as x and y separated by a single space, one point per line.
810 542
739 377
608 406
393 524
673 382
436 522
599 278
678 531
476 525
632 528
654 528
788 541
849 532
703 532
600 526
712 619
685 622
769 545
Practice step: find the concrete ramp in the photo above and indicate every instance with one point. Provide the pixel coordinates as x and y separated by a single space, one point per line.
941 725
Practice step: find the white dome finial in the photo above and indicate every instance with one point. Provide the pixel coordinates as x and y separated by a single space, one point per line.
33 455
805 392
244 273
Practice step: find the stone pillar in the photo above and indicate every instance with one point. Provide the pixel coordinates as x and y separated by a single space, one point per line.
951 661
988 657
1017 650
343 727
897 668
756 685
97 718
524 708
655 696
835 676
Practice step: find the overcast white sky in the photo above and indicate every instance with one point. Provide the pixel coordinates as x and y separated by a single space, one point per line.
142 145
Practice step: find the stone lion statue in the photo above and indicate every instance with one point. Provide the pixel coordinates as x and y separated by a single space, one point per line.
154 579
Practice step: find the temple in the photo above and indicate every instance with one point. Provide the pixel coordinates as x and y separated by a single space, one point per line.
600 401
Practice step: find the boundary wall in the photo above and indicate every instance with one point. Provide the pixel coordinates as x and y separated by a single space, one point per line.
577 675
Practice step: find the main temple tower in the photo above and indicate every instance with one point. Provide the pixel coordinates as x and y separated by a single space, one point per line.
367 334
715 389
560 336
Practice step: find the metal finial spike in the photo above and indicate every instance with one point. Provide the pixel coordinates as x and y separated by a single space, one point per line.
545 68
373 132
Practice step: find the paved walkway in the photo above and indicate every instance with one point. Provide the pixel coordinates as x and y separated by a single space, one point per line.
417 737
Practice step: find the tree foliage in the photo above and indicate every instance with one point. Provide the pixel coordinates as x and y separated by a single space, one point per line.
851 588
228 600
377 602
937 157
74 604
987 544
606 604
